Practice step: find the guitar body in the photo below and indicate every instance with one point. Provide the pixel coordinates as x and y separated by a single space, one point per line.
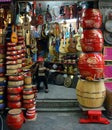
66 45
78 45
62 46
51 46
14 37
72 47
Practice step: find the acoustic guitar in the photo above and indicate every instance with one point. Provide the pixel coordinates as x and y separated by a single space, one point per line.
14 37
51 45
33 21
62 43
72 45
18 17
40 18
2 25
48 16
78 44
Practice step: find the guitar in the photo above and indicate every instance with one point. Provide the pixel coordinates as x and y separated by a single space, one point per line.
2 25
40 18
72 45
48 16
62 43
51 46
18 17
14 37
78 45
33 20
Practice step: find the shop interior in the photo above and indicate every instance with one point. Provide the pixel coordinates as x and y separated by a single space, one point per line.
75 46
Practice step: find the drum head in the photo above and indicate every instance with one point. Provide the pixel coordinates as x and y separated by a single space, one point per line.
67 82
108 37
108 25
59 79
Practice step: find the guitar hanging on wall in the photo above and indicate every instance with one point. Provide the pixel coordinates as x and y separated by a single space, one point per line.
14 37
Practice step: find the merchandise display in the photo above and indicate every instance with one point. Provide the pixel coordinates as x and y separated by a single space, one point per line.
64 43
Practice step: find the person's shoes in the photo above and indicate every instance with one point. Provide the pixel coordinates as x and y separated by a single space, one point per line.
46 91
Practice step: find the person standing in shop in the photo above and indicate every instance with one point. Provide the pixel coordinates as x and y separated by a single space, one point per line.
41 73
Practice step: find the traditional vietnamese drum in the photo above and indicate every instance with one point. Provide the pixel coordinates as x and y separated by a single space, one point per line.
92 40
27 80
108 100
90 94
15 119
91 65
91 18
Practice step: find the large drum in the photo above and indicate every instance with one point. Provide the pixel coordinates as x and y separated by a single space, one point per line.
91 18
108 100
15 119
92 40
91 66
90 94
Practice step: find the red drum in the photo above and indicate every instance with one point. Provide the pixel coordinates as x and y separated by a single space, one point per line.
91 66
16 78
29 100
28 91
14 104
11 52
15 119
92 40
14 97
28 105
14 90
91 18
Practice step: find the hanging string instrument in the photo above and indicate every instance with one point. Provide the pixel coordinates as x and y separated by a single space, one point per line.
14 37
33 20
48 16
40 18
72 45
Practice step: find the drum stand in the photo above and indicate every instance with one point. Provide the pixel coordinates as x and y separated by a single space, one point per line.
94 116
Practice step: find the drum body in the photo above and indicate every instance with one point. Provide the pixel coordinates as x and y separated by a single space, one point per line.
92 40
15 119
91 65
90 94
91 18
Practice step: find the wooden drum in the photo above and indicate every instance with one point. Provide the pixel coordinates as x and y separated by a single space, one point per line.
27 80
108 100
90 94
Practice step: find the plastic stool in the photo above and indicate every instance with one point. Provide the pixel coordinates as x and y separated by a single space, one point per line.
95 117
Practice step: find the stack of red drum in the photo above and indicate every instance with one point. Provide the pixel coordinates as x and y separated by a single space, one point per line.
91 63
2 76
29 102
15 55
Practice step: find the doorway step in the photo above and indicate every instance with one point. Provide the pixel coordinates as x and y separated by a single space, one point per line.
58 99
